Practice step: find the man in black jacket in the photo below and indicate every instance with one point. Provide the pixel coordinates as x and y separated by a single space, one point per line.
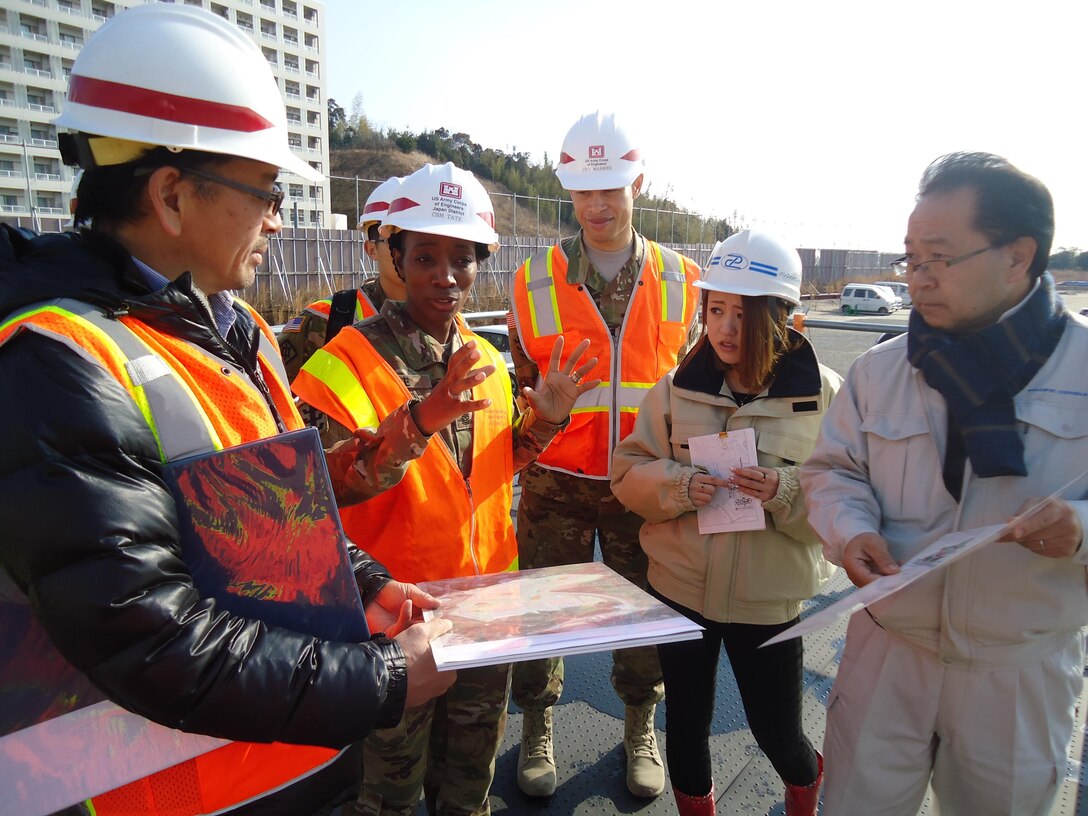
181 154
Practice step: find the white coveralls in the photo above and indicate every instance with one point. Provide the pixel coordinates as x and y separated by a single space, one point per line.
973 672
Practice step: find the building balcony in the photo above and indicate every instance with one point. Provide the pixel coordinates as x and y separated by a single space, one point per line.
42 108
48 177
42 142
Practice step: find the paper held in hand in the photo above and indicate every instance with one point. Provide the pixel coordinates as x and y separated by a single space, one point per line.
941 552
728 510
512 616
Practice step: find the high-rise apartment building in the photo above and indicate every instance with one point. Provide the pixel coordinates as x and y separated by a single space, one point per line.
39 41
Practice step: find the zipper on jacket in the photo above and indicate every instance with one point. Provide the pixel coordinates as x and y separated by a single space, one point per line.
472 526
471 503
253 371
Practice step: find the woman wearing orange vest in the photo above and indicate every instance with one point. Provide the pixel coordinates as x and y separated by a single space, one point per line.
434 466
96 328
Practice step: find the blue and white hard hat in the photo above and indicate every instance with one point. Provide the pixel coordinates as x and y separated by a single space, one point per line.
753 262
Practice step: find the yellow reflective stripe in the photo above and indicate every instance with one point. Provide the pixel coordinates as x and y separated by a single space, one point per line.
594 400
529 294
543 305
631 395
497 360
556 319
664 283
341 380
117 356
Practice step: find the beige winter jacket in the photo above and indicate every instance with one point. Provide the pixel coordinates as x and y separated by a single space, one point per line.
759 576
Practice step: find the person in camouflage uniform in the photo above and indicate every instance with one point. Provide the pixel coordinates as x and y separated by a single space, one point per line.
306 333
561 513
446 749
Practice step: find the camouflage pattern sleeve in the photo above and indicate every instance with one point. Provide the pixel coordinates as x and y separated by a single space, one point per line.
695 331
378 459
531 436
525 369
300 338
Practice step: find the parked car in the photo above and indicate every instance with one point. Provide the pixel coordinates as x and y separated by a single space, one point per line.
867 297
499 337
899 288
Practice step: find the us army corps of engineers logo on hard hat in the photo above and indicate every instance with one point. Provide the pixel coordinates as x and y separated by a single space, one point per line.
448 204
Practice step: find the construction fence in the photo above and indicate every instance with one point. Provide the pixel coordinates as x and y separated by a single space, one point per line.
305 263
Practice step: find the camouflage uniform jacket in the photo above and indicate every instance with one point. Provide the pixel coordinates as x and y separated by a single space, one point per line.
612 299
386 453
305 334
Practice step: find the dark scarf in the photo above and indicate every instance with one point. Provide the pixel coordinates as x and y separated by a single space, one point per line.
979 373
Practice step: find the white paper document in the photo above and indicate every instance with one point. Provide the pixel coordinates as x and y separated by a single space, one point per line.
728 510
572 609
943 551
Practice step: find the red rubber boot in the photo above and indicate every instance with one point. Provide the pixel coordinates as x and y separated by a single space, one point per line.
804 801
695 805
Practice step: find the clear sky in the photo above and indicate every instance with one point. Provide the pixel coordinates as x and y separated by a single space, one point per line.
813 119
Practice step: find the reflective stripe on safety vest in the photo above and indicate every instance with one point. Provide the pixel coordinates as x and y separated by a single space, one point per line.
434 523
654 329
364 307
193 402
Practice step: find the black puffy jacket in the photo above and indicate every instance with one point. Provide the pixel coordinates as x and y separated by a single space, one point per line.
91 537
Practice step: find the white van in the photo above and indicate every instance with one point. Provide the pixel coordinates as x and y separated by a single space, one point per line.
867 297
898 287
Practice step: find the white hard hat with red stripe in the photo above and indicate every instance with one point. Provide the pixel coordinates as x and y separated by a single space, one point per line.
753 262
443 200
178 77
599 154
377 204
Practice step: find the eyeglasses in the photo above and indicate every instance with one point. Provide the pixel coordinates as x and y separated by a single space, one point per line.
935 266
273 198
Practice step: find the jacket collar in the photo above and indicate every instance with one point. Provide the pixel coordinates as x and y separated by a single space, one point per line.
796 375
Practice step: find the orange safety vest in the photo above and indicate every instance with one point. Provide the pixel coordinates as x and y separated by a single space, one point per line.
364 307
654 330
193 402
434 523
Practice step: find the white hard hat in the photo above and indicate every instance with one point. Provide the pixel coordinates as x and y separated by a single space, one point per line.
598 154
754 263
377 204
442 199
178 77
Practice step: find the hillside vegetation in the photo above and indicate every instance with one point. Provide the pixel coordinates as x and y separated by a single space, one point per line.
358 151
